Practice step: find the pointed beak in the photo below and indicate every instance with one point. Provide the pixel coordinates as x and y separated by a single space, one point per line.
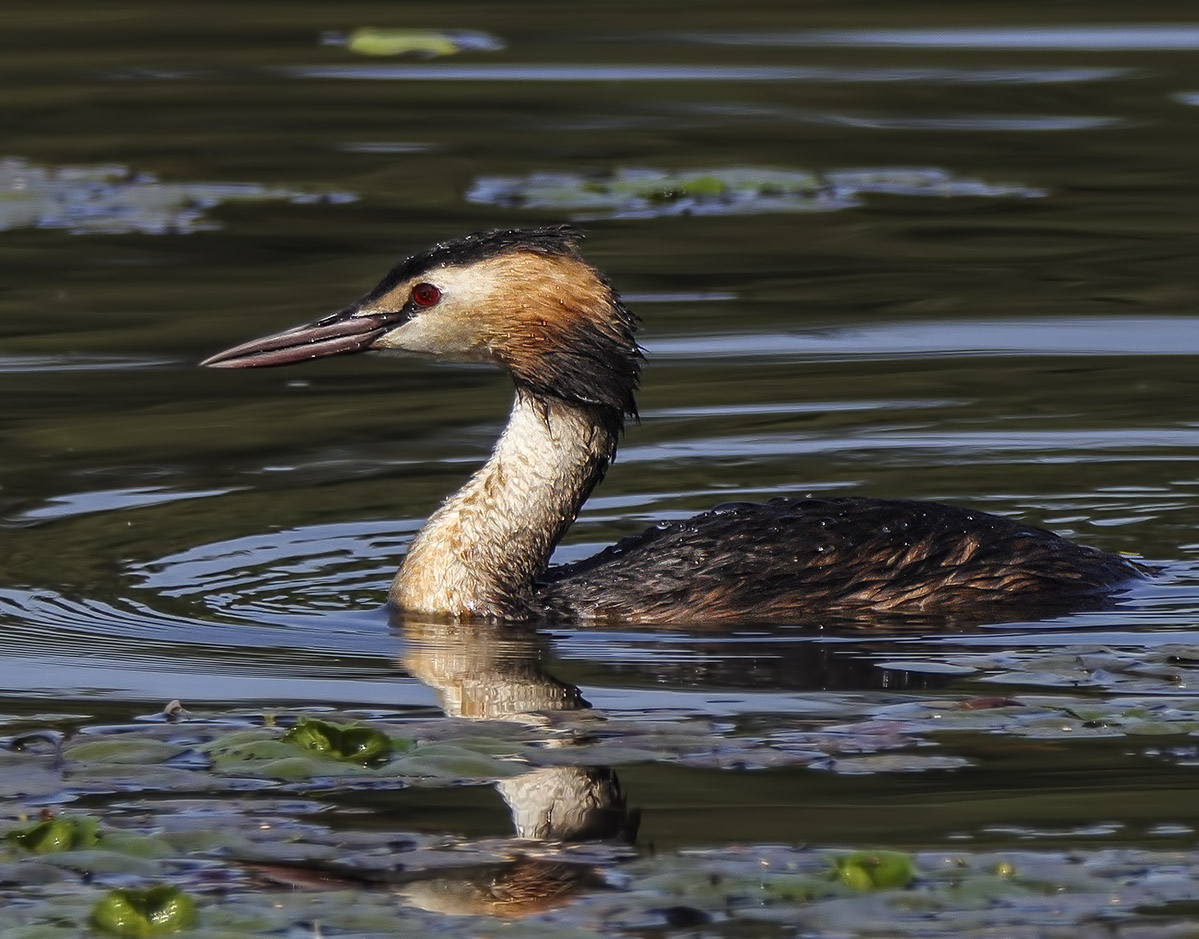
344 332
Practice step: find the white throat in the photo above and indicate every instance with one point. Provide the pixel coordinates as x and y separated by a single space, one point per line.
479 554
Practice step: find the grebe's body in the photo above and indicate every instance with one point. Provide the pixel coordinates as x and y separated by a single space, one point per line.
526 301
796 558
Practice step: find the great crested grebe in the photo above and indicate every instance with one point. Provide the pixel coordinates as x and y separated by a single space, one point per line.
527 301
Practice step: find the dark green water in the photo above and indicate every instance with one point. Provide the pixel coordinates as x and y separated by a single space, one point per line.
950 255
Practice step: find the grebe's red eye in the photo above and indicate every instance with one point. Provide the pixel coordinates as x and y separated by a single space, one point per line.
425 294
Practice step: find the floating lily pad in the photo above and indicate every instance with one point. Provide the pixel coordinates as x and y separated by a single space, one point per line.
142 913
124 749
356 743
263 754
752 889
646 193
59 833
896 763
874 870
115 200
251 807
447 762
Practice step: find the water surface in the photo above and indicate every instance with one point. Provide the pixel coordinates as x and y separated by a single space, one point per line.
931 252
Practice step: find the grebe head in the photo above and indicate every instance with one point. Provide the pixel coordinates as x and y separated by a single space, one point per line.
522 299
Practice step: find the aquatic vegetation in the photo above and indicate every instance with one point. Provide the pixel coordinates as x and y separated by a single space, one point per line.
414 43
56 833
874 870
354 742
279 876
266 819
141 913
315 748
630 192
116 200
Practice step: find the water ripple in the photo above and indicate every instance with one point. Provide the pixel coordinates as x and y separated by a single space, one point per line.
703 73
1020 123
107 500
286 578
1064 335
794 407
60 648
68 362
1126 37
1049 446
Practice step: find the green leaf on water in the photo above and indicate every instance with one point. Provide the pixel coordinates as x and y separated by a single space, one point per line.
418 43
142 913
62 833
123 750
874 870
355 743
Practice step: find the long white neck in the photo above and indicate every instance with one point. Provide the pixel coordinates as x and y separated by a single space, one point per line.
479 554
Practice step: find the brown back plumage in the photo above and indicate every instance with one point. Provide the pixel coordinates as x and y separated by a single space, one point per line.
799 558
